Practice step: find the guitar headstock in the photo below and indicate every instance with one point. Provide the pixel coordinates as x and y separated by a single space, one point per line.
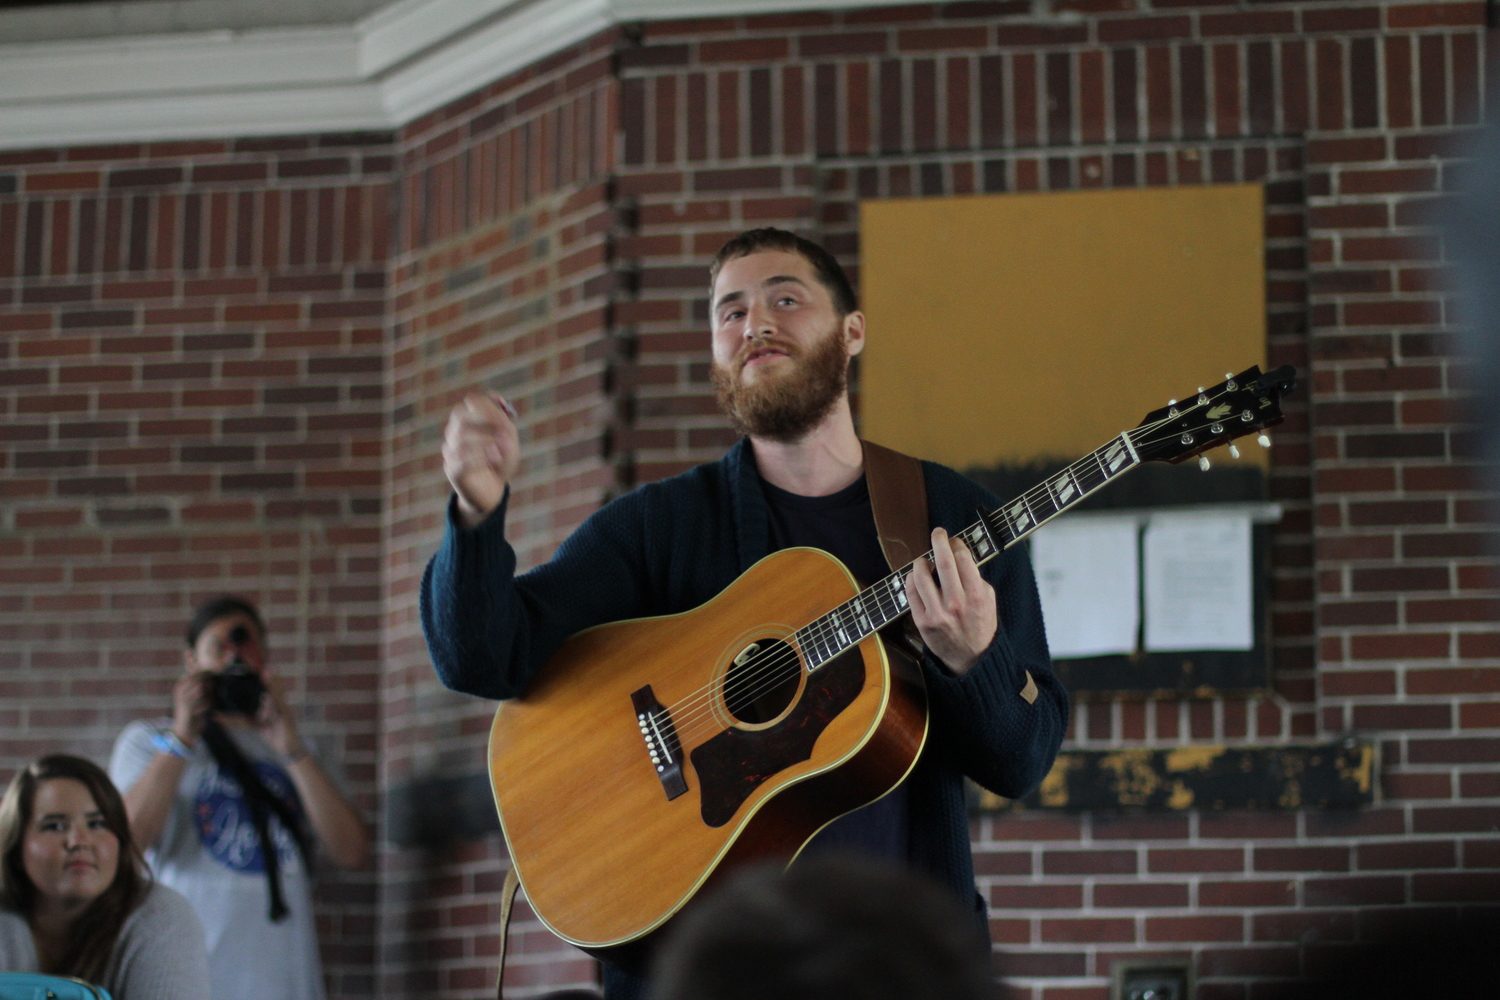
1242 404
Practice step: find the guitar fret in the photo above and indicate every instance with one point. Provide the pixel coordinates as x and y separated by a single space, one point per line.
1020 515
983 543
890 606
1033 500
811 644
1011 528
1036 497
1063 487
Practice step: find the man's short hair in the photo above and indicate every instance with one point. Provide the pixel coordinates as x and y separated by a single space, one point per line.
830 275
848 927
221 607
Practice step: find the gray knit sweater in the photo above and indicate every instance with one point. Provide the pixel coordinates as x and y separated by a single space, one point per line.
160 954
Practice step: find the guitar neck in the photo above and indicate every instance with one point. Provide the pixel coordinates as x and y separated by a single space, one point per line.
884 602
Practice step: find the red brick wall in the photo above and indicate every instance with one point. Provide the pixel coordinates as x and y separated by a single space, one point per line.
193 399
552 236
504 281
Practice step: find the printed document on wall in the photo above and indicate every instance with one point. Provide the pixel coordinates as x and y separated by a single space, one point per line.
1198 579
1088 572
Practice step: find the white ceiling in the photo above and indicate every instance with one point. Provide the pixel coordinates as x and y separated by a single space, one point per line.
83 73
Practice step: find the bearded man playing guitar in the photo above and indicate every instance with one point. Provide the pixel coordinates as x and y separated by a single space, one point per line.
784 329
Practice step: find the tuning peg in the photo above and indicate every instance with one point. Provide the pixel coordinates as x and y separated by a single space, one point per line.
1200 388
1263 441
1171 402
1233 451
1203 462
1229 374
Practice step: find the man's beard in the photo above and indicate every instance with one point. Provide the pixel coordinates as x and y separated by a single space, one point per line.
786 406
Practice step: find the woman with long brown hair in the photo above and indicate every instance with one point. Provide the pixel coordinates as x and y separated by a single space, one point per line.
75 899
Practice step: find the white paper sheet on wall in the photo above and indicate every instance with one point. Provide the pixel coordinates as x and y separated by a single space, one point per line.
1088 573
1198 573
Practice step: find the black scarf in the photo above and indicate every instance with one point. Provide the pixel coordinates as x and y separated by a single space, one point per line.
262 803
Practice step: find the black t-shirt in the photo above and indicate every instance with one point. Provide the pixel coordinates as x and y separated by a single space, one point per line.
843 524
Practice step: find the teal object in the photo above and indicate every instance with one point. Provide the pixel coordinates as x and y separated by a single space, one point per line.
32 986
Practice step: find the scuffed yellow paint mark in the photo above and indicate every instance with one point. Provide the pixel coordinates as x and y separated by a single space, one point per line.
1054 787
1193 758
1181 796
988 801
1360 771
1134 778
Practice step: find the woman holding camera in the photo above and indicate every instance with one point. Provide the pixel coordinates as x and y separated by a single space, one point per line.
231 804
74 896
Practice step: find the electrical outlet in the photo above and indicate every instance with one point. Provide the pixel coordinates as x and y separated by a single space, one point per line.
1155 980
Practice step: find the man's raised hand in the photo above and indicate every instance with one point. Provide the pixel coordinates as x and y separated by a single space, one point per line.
481 450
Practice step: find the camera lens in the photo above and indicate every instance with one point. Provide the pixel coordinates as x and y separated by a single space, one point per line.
239 635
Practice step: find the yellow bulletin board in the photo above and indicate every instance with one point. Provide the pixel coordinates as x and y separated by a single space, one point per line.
1008 328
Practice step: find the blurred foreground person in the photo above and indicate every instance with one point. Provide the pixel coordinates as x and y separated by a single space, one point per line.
231 803
1416 954
833 927
75 899
1472 233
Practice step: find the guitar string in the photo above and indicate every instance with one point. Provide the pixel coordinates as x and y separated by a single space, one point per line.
763 677
770 673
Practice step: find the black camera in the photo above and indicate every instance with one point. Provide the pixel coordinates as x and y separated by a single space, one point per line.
237 690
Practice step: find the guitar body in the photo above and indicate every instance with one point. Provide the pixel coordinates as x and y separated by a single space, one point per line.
606 849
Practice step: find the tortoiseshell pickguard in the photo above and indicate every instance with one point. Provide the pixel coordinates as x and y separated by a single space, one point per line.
733 764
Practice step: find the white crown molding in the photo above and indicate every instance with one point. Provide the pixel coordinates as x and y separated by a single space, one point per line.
663 10
180 64
489 52
396 64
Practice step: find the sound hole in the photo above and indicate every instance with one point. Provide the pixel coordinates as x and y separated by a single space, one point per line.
762 681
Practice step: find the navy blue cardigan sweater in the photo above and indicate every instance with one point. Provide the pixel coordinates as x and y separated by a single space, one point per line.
670 546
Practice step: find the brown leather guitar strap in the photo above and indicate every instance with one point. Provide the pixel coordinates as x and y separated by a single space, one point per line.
898 497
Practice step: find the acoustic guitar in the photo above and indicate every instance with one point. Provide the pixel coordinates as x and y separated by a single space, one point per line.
650 756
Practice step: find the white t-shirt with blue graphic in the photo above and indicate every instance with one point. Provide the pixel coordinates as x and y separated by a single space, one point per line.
209 852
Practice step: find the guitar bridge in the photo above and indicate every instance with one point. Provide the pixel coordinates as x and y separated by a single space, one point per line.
661 741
